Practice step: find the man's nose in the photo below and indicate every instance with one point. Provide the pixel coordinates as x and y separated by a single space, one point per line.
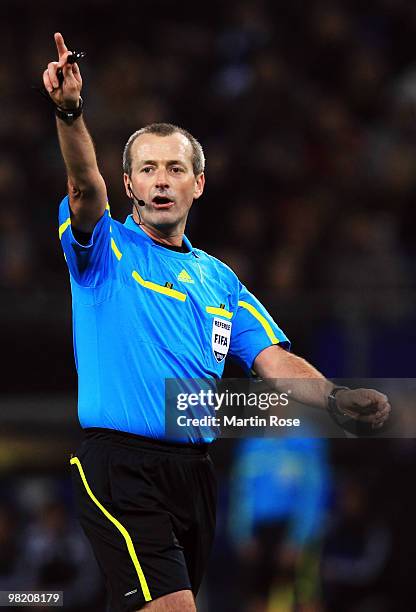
162 181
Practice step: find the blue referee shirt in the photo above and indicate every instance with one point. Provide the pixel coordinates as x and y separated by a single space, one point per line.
143 313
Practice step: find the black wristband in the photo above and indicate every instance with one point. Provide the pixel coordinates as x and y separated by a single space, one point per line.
68 115
332 402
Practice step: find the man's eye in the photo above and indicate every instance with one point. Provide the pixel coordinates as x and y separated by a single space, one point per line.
176 169
147 169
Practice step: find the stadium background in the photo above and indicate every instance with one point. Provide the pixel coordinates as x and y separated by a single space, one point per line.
307 115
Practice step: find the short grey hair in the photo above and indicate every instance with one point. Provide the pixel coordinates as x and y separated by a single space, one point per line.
165 129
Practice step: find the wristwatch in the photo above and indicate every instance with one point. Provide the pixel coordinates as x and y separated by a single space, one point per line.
333 408
68 115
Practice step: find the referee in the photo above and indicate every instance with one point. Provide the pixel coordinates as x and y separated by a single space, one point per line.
145 304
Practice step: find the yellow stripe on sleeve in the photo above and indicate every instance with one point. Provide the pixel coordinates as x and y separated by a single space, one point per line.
123 531
64 226
261 319
178 295
116 250
219 311
67 223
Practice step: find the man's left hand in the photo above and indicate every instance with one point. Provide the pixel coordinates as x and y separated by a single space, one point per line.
366 405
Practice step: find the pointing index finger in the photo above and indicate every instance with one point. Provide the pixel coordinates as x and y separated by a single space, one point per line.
60 44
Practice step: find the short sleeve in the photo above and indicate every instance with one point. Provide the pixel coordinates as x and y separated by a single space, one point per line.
89 264
253 329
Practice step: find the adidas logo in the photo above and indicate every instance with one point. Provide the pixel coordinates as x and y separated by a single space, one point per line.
184 277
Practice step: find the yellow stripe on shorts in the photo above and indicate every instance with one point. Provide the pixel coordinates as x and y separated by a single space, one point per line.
123 531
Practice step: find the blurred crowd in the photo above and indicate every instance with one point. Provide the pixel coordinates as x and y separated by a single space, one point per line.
306 112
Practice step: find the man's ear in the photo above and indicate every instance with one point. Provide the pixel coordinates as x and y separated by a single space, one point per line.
127 184
199 185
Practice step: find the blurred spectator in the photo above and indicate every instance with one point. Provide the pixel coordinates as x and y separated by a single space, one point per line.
368 271
356 553
57 557
9 547
277 509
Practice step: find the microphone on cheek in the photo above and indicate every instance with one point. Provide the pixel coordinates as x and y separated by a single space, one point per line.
135 198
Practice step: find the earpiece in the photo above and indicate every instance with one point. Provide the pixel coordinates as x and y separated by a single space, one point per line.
134 198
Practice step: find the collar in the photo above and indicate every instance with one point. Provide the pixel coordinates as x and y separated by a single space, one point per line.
131 224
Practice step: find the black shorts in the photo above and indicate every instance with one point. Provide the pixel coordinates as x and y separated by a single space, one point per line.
148 509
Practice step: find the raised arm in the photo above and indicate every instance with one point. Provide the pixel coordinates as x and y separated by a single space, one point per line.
86 187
